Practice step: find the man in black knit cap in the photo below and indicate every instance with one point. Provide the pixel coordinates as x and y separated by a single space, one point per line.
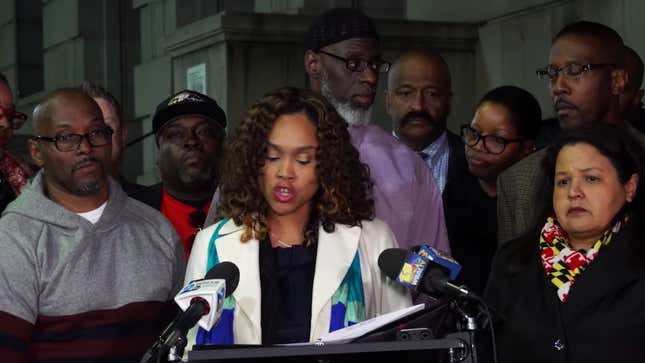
343 61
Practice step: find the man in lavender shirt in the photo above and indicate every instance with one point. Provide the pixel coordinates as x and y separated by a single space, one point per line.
343 62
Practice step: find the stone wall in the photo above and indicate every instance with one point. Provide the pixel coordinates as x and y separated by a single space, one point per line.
136 49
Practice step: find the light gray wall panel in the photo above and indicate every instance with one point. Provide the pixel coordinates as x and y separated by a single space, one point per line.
64 65
60 21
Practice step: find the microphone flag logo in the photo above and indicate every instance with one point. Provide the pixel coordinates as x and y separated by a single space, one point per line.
211 291
413 267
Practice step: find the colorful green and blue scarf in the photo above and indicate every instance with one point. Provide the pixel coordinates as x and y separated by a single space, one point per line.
348 302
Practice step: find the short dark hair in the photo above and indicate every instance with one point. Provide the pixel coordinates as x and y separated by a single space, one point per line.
625 154
623 151
609 39
526 111
613 142
3 79
95 90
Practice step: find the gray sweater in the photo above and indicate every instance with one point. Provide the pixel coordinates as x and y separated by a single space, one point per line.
55 263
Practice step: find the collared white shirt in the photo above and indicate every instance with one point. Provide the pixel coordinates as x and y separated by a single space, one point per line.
438 153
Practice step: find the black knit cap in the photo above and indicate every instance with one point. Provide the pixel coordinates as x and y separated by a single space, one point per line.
339 24
187 102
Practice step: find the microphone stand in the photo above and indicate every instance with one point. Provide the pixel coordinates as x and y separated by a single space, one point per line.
470 320
471 327
177 351
160 348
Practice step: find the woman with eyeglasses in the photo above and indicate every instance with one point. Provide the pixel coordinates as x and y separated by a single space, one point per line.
572 287
501 133
14 172
297 218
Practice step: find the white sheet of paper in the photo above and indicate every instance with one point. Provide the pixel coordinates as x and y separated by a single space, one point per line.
350 333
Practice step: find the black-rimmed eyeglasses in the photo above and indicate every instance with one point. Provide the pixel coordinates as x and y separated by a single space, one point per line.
492 144
71 142
570 70
359 65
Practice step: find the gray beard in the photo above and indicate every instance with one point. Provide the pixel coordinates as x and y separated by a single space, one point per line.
354 116
86 187
89 187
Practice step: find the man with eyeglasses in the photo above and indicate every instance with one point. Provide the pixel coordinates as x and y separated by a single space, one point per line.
14 172
343 62
586 76
86 273
189 129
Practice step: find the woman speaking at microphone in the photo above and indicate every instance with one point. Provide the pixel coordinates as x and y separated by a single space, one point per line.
297 219
573 288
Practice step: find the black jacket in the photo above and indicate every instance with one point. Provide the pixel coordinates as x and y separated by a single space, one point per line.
457 166
602 320
471 220
150 195
6 193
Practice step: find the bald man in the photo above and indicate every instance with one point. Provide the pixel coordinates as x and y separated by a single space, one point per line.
418 99
86 273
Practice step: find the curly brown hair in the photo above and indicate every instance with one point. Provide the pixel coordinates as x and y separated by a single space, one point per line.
345 192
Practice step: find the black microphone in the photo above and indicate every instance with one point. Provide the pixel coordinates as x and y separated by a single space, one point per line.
198 306
425 275
227 271
428 271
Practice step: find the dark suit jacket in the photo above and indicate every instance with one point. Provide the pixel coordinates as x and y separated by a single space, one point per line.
639 122
517 187
549 130
602 320
6 193
130 188
150 195
470 219
457 166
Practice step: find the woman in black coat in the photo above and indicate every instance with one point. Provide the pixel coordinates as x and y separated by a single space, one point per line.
573 288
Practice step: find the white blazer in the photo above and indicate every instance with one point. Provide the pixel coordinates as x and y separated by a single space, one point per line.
335 254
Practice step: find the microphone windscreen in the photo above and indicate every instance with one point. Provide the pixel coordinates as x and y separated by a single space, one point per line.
391 261
227 271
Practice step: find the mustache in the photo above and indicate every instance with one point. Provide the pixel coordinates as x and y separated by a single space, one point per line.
423 115
559 102
194 152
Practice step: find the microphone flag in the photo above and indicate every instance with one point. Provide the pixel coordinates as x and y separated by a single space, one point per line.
212 291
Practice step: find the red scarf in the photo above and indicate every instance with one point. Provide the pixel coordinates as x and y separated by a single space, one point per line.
561 263
16 174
